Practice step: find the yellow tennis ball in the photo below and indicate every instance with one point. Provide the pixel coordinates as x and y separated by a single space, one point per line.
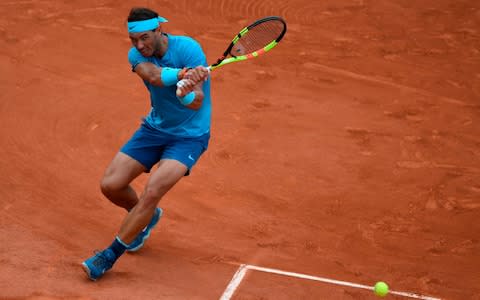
380 289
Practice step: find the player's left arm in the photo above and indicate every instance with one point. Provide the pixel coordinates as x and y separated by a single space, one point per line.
190 89
198 100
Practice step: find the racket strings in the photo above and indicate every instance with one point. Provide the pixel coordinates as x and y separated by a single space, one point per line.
258 37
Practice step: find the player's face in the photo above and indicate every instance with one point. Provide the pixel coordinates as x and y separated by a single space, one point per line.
145 42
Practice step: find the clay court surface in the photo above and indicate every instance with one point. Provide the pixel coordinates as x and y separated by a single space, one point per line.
351 151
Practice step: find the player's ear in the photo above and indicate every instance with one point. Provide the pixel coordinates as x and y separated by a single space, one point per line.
158 30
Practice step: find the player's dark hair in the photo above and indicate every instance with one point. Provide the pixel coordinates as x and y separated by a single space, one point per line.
141 13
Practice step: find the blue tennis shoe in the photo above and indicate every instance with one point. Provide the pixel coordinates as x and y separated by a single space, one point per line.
139 241
98 264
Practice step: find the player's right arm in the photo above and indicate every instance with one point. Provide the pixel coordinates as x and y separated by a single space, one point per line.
151 73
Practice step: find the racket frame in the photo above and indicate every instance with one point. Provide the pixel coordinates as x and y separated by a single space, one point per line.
223 60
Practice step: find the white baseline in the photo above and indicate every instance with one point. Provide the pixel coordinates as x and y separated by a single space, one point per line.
242 270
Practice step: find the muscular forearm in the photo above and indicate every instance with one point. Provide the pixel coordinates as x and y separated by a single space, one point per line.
159 76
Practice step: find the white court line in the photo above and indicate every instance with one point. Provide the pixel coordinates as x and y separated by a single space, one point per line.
234 283
242 270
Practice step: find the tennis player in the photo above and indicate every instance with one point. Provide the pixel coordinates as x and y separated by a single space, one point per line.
173 135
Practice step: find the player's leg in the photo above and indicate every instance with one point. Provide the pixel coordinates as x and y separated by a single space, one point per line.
160 182
138 155
177 159
115 184
186 151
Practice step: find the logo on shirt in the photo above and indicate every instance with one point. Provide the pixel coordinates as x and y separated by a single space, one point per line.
191 157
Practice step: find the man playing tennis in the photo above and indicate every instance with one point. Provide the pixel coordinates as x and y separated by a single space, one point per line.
174 134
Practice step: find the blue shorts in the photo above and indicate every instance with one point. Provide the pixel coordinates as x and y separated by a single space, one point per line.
148 146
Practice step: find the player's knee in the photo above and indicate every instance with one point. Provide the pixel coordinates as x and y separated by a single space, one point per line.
144 206
148 203
153 193
109 186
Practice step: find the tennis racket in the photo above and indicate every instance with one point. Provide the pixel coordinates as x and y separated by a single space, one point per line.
253 40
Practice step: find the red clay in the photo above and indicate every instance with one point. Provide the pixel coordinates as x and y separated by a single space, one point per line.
350 151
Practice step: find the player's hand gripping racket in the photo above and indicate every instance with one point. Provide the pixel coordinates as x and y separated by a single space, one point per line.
252 41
